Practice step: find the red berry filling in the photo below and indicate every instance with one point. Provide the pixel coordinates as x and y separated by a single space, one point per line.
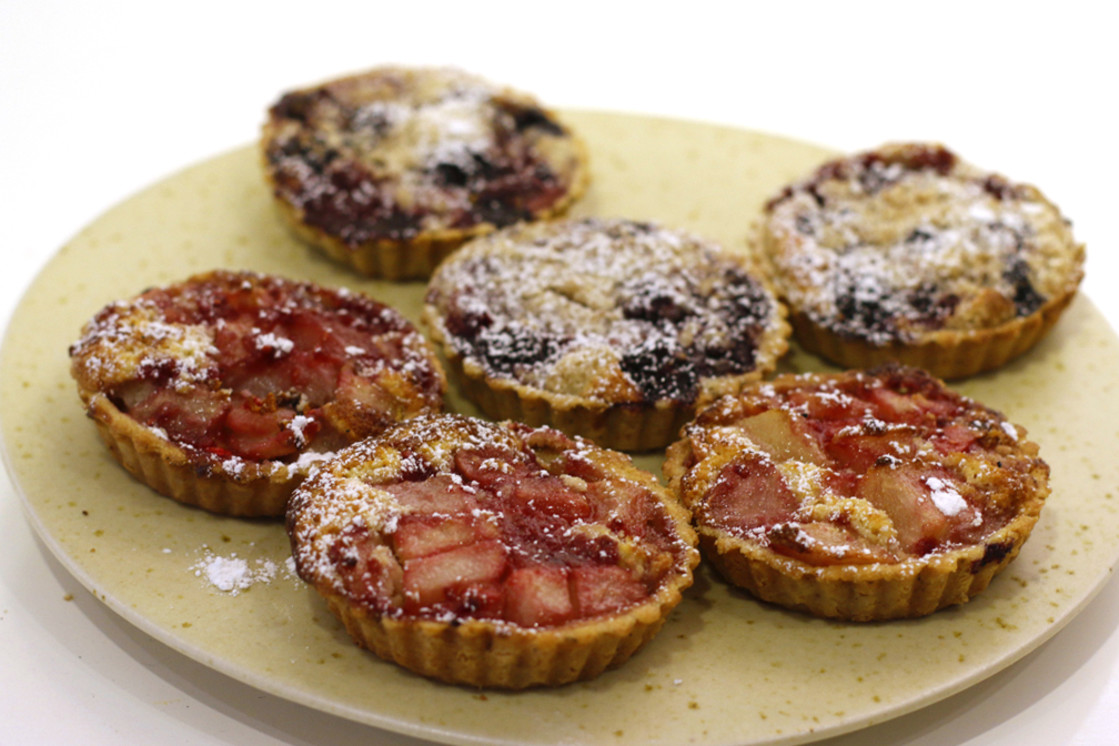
858 468
536 535
284 367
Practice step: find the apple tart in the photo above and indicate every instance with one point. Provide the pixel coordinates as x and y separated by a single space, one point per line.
908 254
491 554
611 329
389 170
221 391
864 495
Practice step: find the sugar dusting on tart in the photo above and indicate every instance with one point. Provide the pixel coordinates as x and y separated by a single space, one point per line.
240 376
858 478
490 529
895 244
417 159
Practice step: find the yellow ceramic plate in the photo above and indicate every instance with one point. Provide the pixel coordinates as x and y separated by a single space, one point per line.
725 669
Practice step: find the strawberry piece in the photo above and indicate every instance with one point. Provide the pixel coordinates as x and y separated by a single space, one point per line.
430 580
902 494
604 589
777 433
749 493
538 596
418 535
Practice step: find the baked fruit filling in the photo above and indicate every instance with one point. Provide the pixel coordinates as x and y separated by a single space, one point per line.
239 366
877 467
891 244
451 519
393 153
612 310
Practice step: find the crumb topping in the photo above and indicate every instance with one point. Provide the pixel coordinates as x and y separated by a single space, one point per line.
611 310
238 368
396 152
876 466
891 244
450 518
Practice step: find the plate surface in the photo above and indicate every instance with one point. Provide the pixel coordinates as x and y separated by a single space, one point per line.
724 669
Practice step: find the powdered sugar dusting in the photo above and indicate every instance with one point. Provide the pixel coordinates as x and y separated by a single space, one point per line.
604 309
879 248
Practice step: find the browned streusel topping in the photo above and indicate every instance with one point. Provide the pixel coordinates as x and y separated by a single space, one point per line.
858 467
611 310
397 152
890 244
452 518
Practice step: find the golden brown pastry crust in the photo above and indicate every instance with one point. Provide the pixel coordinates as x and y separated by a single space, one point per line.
908 254
461 480
222 390
607 328
390 170
861 495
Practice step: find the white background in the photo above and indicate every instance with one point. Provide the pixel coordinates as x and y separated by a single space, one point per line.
100 100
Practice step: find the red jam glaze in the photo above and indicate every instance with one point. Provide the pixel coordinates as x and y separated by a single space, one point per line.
282 350
891 437
506 536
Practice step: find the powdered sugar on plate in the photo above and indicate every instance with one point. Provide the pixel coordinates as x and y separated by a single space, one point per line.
232 574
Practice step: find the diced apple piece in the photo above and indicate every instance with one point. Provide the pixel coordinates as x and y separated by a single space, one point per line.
819 543
427 580
628 507
859 451
775 432
484 465
954 438
538 596
368 570
548 494
900 493
603 589
749 492
259 435
486 600
894 406
441 493
190 415
419 535
360 406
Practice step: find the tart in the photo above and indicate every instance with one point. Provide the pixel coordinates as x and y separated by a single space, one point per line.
222 390
492 555
390 170
864 495
607 328
907 253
